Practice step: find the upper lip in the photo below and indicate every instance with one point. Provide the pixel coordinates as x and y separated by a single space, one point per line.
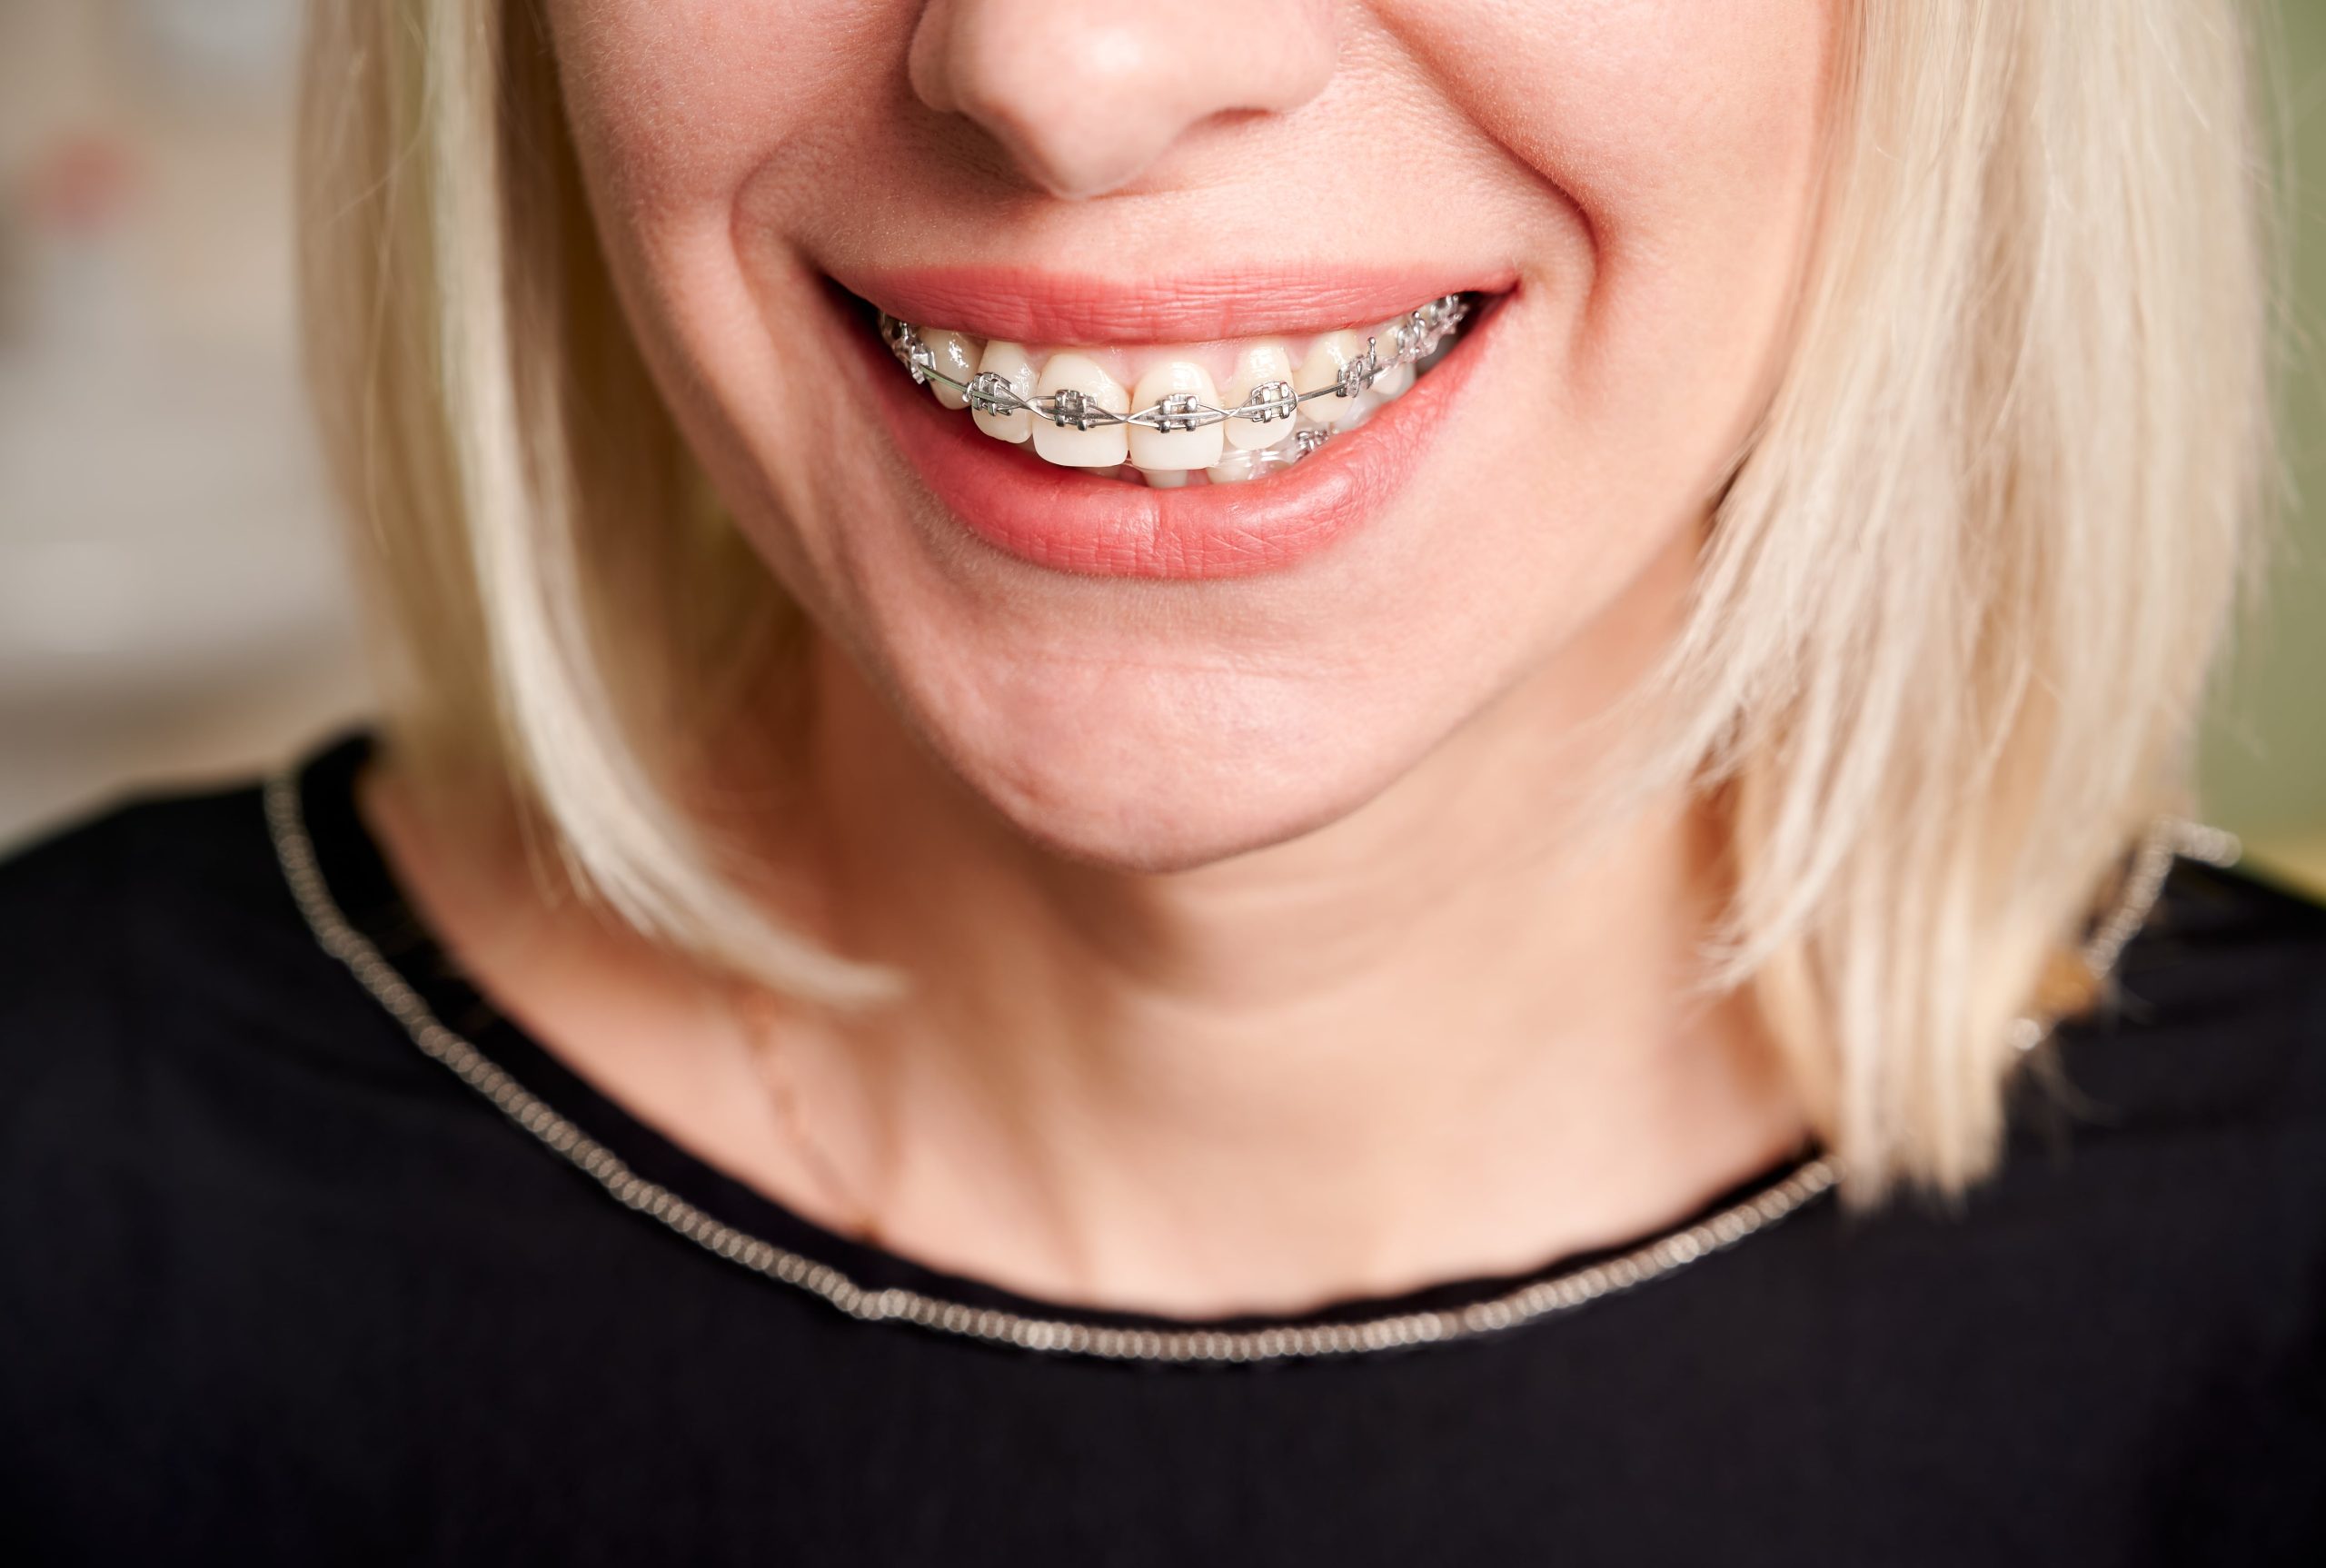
1036 305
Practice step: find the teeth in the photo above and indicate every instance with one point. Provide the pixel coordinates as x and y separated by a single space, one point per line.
1237 467
956 356
1255 366
1101 446
1008 360
1158 450
1394 384
1088 426
1321 368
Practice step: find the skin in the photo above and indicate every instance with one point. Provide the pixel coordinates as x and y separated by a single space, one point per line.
1287 978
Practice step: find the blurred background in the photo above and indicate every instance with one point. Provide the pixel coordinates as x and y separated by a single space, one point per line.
170 598
171 602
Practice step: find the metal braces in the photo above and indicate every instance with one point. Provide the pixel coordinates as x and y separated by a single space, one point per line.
1415 337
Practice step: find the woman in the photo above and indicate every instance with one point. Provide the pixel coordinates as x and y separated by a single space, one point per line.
1592 960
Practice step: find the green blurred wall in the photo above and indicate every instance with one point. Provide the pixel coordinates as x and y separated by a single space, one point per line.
2265 753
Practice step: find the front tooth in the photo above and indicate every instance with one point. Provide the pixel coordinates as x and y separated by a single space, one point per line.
956 355
1156 450
1255 366
1395 383
1321 368
1008 360
1101 446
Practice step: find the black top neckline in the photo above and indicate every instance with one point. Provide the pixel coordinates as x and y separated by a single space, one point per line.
279 1288
367 893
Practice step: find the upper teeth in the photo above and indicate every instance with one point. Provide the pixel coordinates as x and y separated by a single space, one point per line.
1080 416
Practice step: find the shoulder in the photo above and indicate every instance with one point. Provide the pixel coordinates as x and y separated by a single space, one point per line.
2183 1127
142 843
131 901
2218 1014
152 944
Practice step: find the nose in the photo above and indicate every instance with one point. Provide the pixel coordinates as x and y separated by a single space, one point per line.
1085 94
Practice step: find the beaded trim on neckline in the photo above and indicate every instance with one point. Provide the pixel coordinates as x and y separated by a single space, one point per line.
1791 1191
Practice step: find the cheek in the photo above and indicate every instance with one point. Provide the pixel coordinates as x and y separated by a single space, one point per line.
673 106
675 103
704 128
1640 112
1686 138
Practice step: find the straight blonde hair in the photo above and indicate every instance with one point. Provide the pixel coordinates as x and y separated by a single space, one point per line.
1954 618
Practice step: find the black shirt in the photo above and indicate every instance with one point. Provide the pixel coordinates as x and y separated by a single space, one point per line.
275 1286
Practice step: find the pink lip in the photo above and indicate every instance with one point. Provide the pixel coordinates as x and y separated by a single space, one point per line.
1027 305
1068 520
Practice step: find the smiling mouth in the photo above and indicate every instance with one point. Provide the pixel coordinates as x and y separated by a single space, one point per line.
1170 417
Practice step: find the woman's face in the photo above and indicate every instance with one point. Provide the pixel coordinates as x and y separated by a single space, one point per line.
1172 661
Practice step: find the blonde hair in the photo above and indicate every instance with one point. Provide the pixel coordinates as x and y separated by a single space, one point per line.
1951 626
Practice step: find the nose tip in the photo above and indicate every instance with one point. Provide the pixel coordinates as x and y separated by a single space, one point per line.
1085 97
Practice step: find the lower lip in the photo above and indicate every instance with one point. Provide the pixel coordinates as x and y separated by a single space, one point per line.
1065 519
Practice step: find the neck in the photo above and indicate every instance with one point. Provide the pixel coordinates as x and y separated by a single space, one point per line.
1431 1040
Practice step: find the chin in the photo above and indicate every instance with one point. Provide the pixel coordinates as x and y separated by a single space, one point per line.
1178 825
1149 796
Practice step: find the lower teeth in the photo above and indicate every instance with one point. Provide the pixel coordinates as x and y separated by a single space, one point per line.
1235 467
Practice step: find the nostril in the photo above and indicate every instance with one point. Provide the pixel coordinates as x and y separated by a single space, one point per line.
1085 99
1080 107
